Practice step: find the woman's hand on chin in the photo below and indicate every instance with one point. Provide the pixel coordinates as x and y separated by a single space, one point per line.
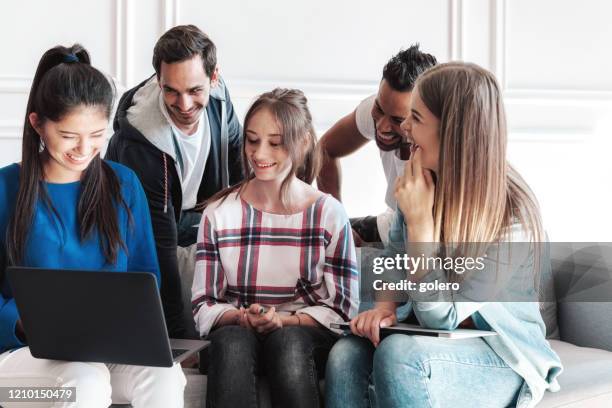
414 192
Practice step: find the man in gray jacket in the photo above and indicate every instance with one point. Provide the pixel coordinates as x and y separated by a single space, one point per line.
178 131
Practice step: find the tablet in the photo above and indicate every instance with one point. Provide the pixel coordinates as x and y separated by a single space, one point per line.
413 329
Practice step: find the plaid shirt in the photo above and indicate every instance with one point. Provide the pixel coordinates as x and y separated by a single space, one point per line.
299 263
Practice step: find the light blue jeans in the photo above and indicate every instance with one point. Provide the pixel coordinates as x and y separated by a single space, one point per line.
418 371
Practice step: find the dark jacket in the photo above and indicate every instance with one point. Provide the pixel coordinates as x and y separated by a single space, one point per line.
143 140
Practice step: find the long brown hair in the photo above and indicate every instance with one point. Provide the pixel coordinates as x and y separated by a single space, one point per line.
65 80
478 194
290 108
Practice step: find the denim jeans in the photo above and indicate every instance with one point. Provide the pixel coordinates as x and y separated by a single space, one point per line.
418 371
293 358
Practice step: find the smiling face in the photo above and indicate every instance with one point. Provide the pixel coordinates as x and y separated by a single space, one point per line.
423 129
265 152
72 142
390 109
186 91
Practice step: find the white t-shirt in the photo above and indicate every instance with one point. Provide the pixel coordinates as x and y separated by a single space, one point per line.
194 151
392 165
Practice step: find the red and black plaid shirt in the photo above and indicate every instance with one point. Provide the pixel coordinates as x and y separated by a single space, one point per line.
302 262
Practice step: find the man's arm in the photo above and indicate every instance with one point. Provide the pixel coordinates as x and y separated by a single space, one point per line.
341 140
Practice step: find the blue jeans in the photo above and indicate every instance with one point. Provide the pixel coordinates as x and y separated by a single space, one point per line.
418 371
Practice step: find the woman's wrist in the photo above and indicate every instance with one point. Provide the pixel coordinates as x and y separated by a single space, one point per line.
291 320
229 318
419 233
383 305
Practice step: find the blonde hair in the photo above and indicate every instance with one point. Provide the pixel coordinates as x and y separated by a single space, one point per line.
479 196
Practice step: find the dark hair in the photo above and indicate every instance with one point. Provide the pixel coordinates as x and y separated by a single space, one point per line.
402 70
182 43
290 108
64 81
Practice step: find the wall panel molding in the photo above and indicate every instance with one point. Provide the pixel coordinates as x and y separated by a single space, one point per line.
10 129
122 68
499 62
456 22
560 95
14 85
498 42
170 13
328 100
123 42
330 89
540 114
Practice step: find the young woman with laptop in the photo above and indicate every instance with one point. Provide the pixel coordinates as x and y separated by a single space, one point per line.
63 207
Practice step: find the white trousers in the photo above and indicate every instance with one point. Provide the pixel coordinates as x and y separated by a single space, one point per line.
97 384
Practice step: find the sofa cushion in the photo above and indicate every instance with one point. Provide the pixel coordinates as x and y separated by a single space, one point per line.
586 380
185 257
195 390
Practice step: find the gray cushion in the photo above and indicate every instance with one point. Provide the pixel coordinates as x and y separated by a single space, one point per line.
186 265
185 257
587 324
195 390
586 380
583 286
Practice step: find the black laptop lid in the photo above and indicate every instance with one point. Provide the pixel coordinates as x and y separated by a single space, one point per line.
93 316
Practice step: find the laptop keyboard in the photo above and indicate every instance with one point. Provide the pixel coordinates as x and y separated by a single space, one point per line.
178 352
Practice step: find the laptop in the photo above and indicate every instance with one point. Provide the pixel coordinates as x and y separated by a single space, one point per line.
96 316
405 328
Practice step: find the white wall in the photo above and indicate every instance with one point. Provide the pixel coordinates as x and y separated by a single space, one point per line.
551 57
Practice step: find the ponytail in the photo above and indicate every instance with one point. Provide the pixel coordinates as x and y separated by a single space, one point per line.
64 81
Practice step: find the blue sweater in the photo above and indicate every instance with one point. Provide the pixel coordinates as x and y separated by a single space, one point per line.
55 243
